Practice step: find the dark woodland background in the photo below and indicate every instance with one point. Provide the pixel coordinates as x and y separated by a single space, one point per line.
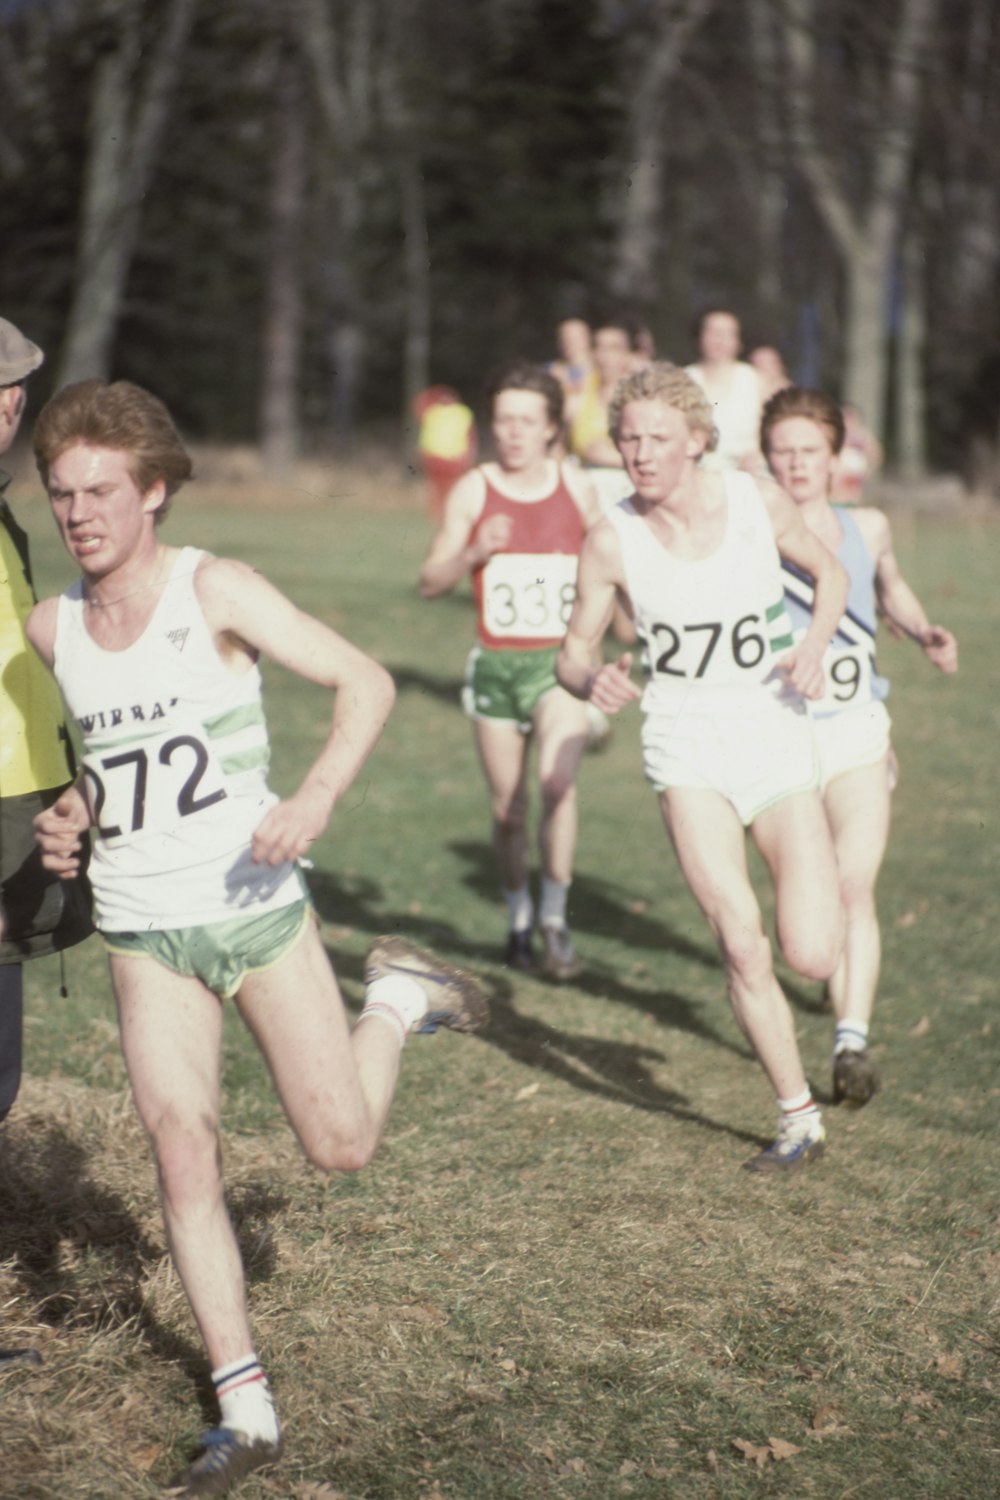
287 219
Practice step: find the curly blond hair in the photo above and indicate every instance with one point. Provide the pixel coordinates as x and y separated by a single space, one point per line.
668 383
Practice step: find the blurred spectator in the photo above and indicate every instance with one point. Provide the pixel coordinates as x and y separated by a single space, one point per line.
860 457
770 368
446 442
734 389
575 360
587 413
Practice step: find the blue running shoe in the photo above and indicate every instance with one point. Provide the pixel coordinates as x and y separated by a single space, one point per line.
795 1147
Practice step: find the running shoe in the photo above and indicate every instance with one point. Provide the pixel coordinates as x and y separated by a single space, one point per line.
519 954
226 1456
559 960
454 998
794 1148
855 1078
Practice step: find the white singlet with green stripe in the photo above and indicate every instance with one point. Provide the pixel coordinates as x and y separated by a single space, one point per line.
175 760
712 628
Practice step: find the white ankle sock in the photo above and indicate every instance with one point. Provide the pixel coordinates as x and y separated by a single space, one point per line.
850 1036
244 1398
552 912
800 1113
520 912
398 999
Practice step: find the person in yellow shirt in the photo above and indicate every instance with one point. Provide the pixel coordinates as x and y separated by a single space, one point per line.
446 442
39 913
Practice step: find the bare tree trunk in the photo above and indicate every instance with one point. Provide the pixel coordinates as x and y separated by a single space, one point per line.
279 409
771 189
127 116
417 267
405 140
911 402
635 268
340 55
866 238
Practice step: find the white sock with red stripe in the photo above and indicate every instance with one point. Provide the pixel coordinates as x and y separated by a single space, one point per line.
398 999
244 1398
799 1116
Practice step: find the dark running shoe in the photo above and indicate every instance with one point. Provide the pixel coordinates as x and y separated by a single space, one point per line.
454 998
226 1456
559 960
855 1078
519 953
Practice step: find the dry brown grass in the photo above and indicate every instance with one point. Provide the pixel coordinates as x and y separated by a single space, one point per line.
554 1283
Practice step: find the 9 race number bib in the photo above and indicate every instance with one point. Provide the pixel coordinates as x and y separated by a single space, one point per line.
529 596
847 673
147 787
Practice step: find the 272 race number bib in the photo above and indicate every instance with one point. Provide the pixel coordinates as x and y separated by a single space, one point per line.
529 595
147 786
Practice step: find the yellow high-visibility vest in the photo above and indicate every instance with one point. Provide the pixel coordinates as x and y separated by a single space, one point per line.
36 760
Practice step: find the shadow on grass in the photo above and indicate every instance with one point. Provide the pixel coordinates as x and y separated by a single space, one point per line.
617 1071
429 684
79 1254
608 1069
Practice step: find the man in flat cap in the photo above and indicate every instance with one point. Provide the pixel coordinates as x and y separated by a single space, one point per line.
38 912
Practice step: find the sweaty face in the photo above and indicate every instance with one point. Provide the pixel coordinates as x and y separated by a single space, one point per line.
522 430
801 458
98 508
656 443
720 338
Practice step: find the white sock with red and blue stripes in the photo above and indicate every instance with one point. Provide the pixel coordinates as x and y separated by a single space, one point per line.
244 1398
800 1116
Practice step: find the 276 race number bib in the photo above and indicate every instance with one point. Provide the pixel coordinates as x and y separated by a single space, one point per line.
148 786
529 595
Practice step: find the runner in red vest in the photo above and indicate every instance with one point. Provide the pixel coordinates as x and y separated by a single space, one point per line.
517 525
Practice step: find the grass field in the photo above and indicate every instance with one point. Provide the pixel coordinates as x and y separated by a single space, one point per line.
554 1281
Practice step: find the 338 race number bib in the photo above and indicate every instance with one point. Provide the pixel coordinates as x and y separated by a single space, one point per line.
529 595
147 786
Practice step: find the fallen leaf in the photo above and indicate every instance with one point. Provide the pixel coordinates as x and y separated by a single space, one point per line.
317 1492
780 1449
922 1027
145 1458
752 1452
905 1259
949 1365
574 1466
921 1398
628 1467
422 1312
509 1365
824 1418
908 919
527 1092
712 1459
